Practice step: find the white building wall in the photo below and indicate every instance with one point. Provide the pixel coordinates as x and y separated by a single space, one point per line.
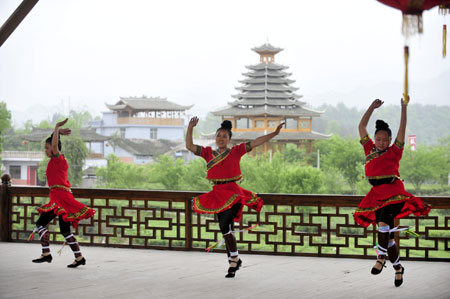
118 151
109 118
108 131
171 133
95 147
137 133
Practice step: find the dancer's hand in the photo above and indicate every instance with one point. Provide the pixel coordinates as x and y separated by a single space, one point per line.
65 131
62 123
277 131
193 122
376 104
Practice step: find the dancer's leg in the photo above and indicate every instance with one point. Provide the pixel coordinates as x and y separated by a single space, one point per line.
44 236
393 250
384 222
64 227
226 224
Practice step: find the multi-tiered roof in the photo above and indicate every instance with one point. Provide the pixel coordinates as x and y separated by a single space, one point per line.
267 91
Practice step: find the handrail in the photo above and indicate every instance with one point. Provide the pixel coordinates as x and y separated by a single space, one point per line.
289 224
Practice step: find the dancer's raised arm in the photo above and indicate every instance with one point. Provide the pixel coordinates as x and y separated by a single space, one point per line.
365 119
402 128
189 141
55 137
263 139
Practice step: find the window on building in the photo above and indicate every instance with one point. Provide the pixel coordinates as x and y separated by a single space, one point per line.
15 171
153 133
272 123
304 124
291 123
243 123
259 124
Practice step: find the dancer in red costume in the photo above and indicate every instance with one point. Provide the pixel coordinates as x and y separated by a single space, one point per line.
62 203
227 198
388 198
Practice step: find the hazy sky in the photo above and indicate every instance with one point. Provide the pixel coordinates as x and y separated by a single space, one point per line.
85 53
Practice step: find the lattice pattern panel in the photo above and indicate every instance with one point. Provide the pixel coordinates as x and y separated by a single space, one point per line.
434 236
285 229
322 231
118 222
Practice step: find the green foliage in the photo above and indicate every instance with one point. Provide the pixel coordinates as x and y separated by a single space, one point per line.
123 175
5 121
169 172
334 181
75 152
344 154
428 122
293 171
426 164
195 176
165 173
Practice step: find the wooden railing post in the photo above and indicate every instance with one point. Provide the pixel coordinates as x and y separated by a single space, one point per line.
188 223
5 209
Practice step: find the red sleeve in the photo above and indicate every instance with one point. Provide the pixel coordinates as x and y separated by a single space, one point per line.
242 149
367 144
397 148
204 152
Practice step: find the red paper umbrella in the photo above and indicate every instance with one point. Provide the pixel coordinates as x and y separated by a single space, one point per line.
412 12
412 23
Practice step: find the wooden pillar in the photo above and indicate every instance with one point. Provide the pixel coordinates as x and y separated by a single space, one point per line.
188 223
5 209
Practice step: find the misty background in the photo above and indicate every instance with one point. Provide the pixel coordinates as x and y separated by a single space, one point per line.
80 54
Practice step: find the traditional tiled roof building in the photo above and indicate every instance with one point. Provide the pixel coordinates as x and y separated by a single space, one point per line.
265 99
143 118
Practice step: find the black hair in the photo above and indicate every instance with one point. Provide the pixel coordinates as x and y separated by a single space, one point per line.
382 126
49 141
226 125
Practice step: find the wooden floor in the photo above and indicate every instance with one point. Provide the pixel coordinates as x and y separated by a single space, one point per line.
134 273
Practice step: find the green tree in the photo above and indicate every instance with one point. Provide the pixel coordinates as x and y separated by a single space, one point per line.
425 164
344 154
76 152
195 178
5 122
305 180
122 175
169 172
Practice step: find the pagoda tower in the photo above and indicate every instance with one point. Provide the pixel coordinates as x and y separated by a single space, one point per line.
266 98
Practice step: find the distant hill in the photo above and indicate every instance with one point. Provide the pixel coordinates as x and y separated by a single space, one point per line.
428 122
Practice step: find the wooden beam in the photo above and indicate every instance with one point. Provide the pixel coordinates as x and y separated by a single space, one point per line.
15 19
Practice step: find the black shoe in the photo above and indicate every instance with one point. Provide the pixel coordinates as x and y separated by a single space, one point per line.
77 263
239 264
398 282
232 270
375 271
43 259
